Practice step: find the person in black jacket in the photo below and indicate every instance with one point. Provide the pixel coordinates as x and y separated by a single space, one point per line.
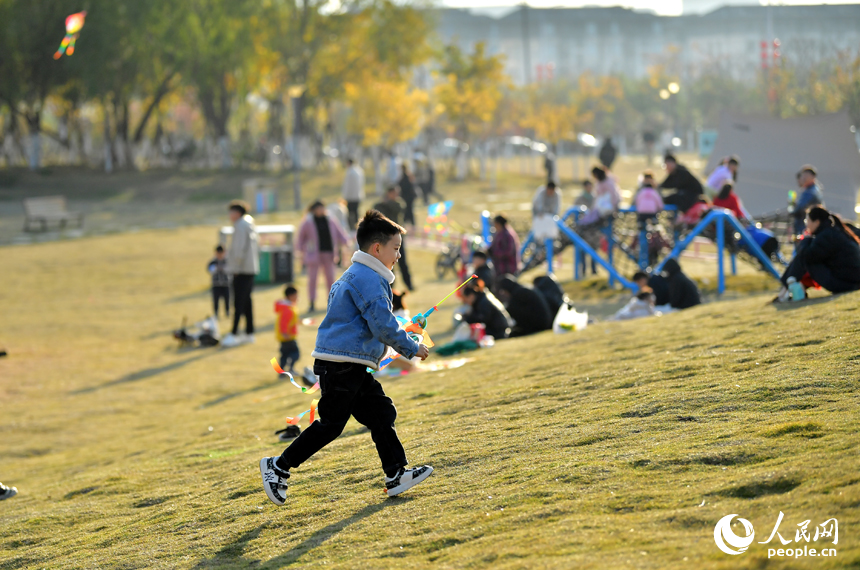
392 209
683 292
830 254
607 153
687 187
409 194
553 294
488 310
484 270
526 306
657 283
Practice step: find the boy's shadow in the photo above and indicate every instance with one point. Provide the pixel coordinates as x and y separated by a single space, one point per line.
232 553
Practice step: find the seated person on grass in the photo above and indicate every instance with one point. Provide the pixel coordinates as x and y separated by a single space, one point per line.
683 291
658 285
486 309
641 305
483 269
829 255
527 307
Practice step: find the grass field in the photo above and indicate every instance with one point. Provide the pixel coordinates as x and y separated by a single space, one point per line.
615 447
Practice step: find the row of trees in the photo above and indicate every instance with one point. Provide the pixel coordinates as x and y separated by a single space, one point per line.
355 74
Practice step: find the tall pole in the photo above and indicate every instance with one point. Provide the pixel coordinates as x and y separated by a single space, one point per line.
297 166
527 59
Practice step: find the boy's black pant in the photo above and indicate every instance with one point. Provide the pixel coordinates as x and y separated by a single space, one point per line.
219 293
348 389
289 354
243 286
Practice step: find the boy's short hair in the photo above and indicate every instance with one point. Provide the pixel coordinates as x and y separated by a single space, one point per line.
373 228
240 206
481 254
290 290
391 189
733 159
550 184
501 219
639 275
219 249
670 158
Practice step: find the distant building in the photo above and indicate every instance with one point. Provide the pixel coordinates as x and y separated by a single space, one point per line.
704 6
566 42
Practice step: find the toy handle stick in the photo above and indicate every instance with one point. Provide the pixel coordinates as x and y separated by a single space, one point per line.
417 318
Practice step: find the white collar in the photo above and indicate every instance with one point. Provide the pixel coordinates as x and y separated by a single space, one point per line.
370 261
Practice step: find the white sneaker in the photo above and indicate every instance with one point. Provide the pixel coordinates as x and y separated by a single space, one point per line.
230 340
7 492
274 480
784 295
248 339
406 479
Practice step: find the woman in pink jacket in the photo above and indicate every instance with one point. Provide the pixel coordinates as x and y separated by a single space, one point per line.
320 237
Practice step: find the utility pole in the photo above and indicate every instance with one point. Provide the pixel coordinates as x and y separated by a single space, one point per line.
527 60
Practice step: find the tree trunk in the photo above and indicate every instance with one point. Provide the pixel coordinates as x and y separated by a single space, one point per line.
34 143
108 142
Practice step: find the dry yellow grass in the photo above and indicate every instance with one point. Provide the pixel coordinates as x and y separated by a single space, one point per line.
590 450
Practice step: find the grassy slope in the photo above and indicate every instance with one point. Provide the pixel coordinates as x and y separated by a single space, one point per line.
590 450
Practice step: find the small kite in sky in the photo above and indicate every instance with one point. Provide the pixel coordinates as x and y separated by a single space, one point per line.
74 23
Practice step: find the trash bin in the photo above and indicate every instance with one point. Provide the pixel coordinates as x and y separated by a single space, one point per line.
276 252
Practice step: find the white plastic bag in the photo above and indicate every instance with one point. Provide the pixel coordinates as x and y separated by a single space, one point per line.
567 319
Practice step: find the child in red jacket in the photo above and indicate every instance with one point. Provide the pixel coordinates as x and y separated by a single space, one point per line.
287 328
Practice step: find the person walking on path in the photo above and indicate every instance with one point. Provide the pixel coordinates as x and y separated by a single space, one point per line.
320 237
243 264
353 191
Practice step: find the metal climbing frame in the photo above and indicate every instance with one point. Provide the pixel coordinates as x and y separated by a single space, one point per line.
582 249
717 217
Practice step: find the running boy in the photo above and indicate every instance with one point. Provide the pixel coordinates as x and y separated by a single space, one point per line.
353 336
287 328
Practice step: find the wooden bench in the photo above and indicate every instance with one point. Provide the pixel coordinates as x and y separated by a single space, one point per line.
49 209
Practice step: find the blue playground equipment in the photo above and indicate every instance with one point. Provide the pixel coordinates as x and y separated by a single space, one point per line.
582 249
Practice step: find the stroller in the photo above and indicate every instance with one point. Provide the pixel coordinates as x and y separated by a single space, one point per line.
203 333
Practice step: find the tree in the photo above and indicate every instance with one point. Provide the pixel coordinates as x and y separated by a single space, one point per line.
384 113
28 72
220 42
470 93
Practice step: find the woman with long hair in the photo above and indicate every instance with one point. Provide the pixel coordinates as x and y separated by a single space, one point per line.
829 255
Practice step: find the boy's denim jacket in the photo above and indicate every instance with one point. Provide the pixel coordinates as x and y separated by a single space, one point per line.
359 323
